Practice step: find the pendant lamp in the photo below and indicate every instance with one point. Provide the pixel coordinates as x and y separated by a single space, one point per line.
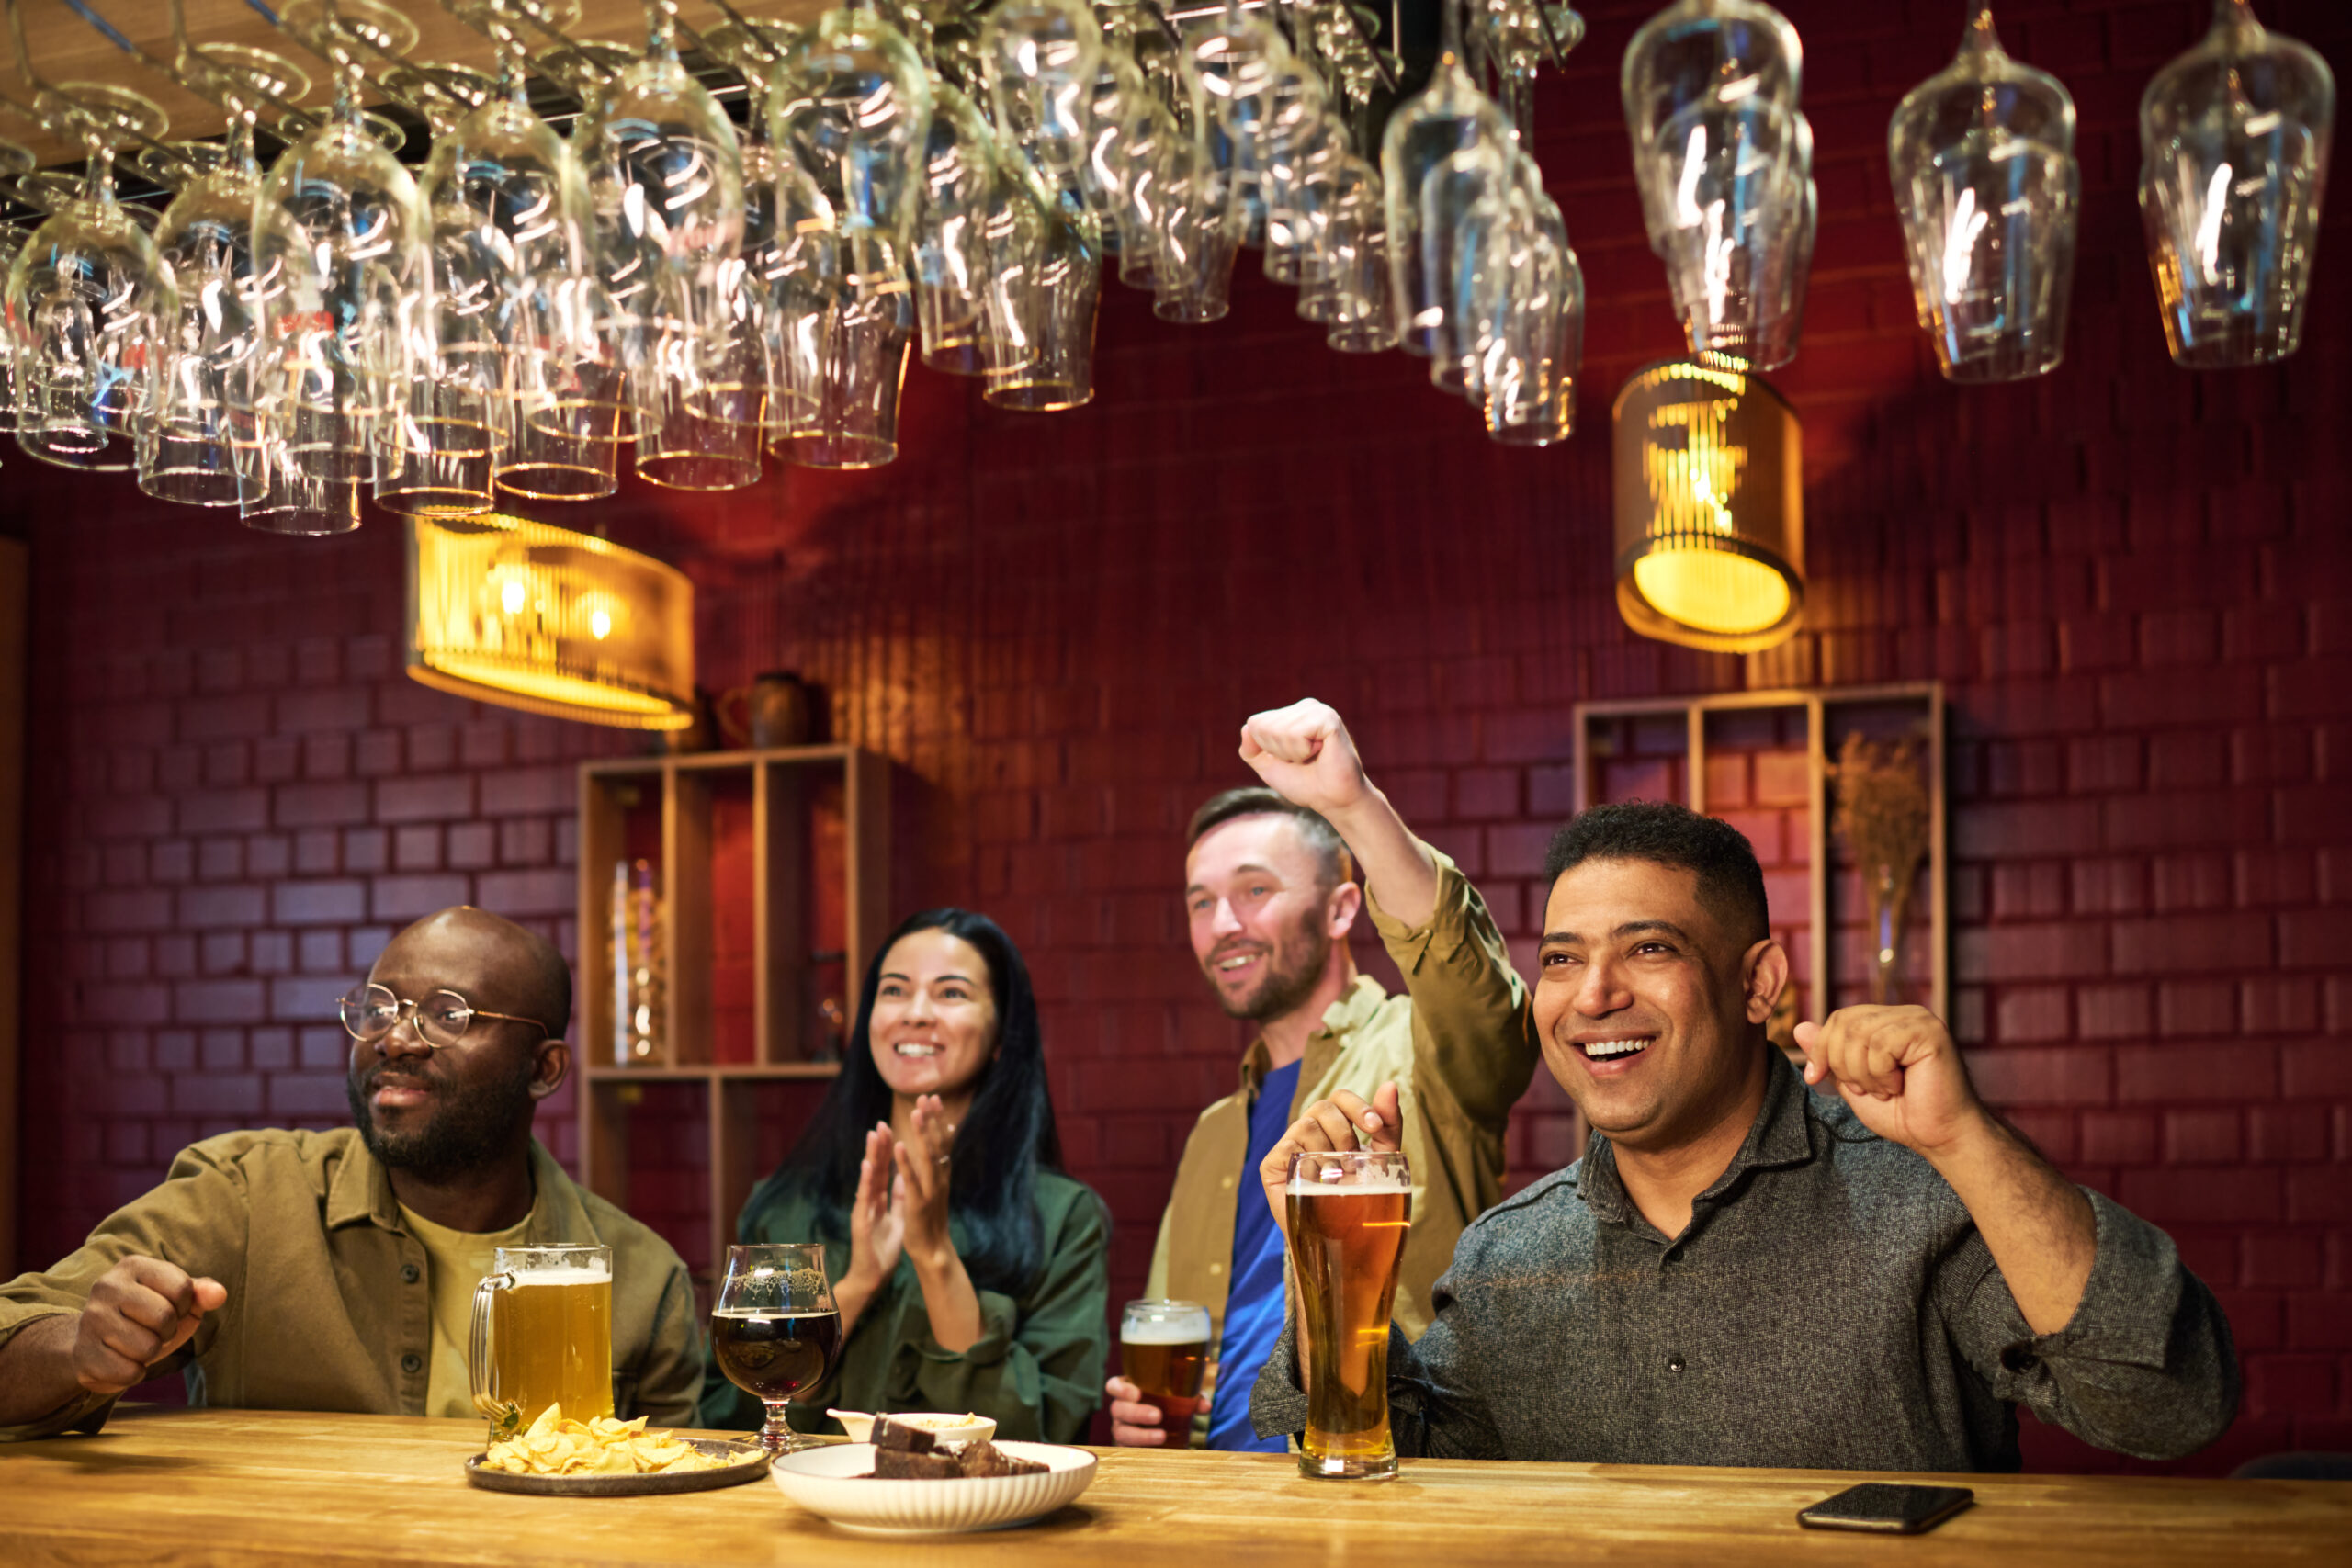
1709 509
504 610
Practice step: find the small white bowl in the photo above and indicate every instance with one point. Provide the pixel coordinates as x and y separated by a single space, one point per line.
834 1483
966 1428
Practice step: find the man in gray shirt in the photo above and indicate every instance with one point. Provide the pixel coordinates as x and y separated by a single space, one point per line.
1739 1272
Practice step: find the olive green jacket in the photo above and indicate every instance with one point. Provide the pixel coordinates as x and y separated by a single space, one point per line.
1037 1366
1461 1050
330 1299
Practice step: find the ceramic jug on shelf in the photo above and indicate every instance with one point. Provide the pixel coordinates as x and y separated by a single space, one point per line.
776 709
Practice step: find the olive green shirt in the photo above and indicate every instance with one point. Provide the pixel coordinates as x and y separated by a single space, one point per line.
1461 1051
1037 1367
330 1298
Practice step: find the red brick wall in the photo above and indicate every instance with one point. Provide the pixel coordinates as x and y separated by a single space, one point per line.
2135 581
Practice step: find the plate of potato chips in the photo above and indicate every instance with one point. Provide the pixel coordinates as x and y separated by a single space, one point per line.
557 1457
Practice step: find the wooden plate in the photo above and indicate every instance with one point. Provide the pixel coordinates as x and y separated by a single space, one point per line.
741 1459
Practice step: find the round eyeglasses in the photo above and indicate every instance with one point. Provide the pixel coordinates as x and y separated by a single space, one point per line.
440 1018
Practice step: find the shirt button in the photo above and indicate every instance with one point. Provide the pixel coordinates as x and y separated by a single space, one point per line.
408 1273
411 1362
1225 1181
1216 1268
1674 1363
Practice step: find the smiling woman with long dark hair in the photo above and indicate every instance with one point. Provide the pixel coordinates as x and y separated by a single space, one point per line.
971 1271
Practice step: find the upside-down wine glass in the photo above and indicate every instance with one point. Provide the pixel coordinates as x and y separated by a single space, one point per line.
1042 57
1709 90
1982 160
1447 115
856 114
2234 149
198 444
680 193
88 294
343 255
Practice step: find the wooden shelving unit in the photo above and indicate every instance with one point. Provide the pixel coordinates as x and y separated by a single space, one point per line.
753 951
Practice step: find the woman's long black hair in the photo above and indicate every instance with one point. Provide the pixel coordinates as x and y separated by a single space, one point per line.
1005 1136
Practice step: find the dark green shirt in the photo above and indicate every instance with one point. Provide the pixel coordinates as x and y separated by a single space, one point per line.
1037 1366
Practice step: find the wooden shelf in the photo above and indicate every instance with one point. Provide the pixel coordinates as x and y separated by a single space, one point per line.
771 868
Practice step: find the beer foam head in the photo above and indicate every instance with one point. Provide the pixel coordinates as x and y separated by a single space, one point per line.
1185 1329
1307 1186
570 1274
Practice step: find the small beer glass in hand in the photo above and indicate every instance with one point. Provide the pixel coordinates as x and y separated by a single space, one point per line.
1163 1350
1348 1212
776 1330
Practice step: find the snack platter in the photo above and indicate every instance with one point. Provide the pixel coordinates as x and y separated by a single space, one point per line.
604 1458
737 1461
908 1483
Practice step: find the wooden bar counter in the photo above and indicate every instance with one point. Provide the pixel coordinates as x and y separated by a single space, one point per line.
244 1487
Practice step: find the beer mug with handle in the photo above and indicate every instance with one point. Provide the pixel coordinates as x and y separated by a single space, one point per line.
1347 1211
1164 1350
543 1335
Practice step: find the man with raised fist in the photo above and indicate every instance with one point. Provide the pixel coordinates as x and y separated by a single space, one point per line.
1855 1266
1271 899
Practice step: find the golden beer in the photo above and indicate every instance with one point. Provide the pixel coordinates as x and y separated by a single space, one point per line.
552 1339
543 1333
1348 1216
1164 1351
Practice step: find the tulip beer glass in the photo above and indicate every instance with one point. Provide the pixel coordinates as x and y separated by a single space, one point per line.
543 1335
777 1330
1163 1350
1348 1212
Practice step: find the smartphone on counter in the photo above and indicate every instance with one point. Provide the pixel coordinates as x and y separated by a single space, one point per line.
1887 1508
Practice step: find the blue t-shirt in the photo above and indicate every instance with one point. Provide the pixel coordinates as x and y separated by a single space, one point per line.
1253 1309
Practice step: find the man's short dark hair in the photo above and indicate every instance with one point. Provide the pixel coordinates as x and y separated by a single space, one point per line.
1731 884
1322 839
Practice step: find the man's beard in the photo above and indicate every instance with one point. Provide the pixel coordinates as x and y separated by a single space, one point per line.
1285 986
464 1132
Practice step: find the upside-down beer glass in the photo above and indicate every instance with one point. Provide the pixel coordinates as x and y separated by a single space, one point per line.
1348 1212
543 1335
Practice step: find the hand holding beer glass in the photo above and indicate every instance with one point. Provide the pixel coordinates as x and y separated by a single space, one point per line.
1345 1211
1164 1352
543 1335
777 1330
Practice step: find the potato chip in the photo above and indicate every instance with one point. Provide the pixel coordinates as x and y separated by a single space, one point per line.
603 1445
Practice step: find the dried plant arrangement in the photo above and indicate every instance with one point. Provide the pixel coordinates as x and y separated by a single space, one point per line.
1882 815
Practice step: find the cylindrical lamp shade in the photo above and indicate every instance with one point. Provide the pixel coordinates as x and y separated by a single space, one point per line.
1709 509
504 610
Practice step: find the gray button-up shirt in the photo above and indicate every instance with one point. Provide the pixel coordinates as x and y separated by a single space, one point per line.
1831 1306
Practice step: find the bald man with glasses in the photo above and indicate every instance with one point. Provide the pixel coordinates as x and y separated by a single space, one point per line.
295 1271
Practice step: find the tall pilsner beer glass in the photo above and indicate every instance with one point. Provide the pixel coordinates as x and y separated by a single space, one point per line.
543 1335
1348 1213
